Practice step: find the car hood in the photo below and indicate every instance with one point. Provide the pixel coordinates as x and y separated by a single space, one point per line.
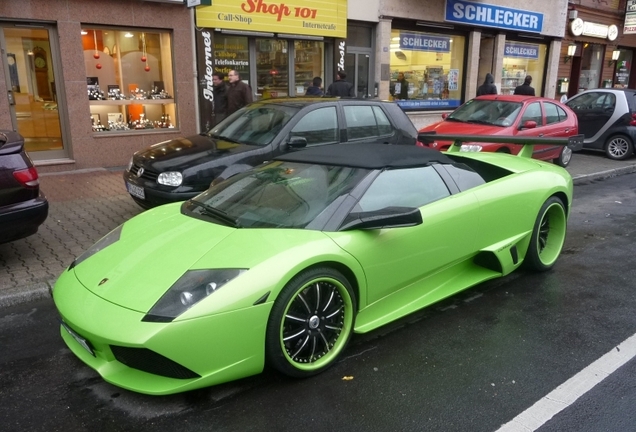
182 153
157 247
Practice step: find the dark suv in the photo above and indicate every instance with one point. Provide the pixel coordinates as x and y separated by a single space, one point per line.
23 208
607 118
180 169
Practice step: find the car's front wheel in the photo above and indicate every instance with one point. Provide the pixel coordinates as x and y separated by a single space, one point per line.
311 322
619 147
564 157
548 236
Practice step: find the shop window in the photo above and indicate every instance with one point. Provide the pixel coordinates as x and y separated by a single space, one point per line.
521 59
308 64
432 65
232 53
272 67
130 79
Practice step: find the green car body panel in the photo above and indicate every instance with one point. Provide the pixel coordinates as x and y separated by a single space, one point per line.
393 272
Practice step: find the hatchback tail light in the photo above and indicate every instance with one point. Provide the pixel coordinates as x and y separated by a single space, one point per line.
28 177
633 120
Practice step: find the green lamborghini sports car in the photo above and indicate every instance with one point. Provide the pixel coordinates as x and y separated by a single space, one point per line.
279 265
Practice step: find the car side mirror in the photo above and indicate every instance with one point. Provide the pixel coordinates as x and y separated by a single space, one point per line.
444 116
529 124
297 142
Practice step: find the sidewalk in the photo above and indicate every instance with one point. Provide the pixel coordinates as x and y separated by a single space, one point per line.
86 205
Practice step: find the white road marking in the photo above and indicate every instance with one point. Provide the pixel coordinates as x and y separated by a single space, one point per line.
567 393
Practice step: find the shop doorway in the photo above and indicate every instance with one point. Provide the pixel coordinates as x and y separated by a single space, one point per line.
31 84
357 67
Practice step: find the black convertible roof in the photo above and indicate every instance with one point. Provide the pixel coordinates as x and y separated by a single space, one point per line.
371 156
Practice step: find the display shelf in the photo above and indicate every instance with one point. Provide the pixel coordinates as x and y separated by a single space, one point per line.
131 102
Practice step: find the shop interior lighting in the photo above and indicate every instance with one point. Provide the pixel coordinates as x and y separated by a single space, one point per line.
615 54
128 35
571 51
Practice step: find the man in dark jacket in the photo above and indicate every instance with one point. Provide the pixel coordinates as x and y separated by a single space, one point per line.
219 89
340 87
401 88
525 89
314 89
488 87
239 94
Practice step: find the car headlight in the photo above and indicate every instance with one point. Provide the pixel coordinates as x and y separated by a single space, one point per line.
130 164
470 148
101 244
170 178
191 288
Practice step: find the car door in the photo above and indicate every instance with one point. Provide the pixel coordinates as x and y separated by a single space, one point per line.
593 110
534 112
557 125
318 126
367 123
403 258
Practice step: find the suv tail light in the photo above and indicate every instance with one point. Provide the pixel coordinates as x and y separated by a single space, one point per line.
633 120
28 177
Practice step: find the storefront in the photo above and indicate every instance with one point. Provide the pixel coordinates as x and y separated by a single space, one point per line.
277 49
445 49
88 85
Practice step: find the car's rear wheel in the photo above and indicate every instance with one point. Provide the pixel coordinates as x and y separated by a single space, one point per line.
564 157
619 147
311 322
548 236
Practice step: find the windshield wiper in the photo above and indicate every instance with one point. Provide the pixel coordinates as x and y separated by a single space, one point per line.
224 138
479 122
216 213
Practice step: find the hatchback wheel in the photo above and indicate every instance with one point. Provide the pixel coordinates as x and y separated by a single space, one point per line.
564 157
619 147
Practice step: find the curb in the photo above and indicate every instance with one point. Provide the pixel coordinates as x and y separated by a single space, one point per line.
17 295
585 178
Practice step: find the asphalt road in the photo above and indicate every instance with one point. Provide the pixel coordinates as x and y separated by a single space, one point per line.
471 363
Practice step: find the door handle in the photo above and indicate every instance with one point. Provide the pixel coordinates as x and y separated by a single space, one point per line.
10 97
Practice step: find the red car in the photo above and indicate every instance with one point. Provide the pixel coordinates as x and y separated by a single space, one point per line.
510 115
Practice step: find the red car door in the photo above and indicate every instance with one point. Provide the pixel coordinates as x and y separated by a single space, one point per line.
534 112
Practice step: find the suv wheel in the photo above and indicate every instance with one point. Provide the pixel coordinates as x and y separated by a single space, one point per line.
619 147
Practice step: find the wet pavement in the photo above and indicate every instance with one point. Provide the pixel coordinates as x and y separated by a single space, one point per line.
85 205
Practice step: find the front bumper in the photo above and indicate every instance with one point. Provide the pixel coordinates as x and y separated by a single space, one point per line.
217 348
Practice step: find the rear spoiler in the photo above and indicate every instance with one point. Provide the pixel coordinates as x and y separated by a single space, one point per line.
574 142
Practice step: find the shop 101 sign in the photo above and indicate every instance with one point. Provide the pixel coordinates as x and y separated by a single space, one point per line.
280 10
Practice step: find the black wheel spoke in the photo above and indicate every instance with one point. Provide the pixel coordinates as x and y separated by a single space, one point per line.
302 299
301 347
317 297
295 335
295 318
333 291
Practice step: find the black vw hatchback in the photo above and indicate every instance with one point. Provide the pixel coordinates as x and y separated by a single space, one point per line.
180 169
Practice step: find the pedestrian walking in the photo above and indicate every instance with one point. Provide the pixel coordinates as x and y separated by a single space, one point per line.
525 88
340 87
219 90
488 87
314 89
239 94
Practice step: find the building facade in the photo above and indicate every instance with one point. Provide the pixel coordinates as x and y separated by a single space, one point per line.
89 83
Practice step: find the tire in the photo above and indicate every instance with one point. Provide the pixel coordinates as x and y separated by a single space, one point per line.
548 236
564 157
311 322
619 147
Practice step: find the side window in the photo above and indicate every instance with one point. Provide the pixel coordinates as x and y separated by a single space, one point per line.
609 102
533 113
417 186
361 122
465 178
553 113
384 125
318 127
584 102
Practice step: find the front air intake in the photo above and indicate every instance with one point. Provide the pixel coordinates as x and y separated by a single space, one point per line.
149 361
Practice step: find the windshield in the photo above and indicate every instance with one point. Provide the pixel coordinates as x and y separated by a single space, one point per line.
254 125
278 195
491 112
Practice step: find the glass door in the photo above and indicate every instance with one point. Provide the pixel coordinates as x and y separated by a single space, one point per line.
33 99
359 73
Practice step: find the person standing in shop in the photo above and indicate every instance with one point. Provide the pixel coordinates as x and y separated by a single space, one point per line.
525 89
488 87
340 87
314 89
401 88
219 89
239 94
